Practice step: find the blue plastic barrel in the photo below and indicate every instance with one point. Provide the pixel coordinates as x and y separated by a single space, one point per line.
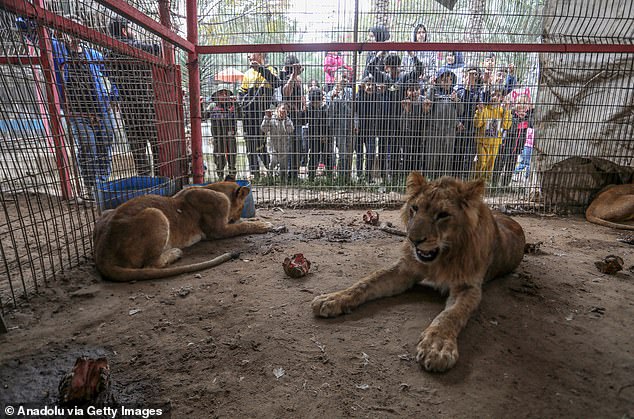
249 204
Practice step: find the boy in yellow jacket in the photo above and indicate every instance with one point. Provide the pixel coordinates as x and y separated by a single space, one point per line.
490 120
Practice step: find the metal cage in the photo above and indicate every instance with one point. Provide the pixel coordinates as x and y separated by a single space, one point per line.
327 103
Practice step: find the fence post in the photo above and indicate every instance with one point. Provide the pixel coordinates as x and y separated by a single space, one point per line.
168 48
194 93
54 106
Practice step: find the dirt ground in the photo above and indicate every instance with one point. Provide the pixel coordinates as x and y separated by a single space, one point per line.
555 339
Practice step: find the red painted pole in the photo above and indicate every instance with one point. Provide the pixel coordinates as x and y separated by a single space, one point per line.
166 21
417 46
182 168
54 107
194 93
131 13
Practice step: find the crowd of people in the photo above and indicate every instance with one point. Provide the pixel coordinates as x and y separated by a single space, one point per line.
419 110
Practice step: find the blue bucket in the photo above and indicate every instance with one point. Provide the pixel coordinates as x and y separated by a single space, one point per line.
114 193
249 205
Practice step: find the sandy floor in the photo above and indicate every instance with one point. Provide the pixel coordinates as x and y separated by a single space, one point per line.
554 339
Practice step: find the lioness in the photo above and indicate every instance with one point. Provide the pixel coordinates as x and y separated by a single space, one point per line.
453 243
613 207
138 239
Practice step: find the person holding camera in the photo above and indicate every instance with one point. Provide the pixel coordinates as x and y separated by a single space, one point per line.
222 116
255 96
293 97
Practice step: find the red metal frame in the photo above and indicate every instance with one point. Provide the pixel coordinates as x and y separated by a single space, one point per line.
129 12
168 47
54 109
164 72
163 30
410 46
52 20
17 60
194 93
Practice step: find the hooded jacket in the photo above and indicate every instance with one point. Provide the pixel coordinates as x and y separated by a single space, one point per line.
381 34
457 67
279 130
445 112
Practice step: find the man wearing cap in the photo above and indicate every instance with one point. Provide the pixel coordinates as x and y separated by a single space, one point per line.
255 96
222 116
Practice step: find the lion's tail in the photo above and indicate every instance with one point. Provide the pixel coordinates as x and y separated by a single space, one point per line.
606 223
119 274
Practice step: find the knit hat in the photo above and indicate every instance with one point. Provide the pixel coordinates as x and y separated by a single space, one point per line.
444 71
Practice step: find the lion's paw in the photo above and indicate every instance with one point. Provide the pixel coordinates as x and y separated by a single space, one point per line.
328 305
436 353
263 226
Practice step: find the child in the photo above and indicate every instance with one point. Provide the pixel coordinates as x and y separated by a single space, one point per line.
339 102
490 120
279 128
333 61
369 114
320 137
415 127
469 94
444 123
223 128
525 158
516 138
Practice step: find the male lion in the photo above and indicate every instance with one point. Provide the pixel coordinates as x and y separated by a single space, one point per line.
138 239
613 207
453 243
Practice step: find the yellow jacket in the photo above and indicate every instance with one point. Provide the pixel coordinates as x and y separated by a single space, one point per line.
256 92
490 122
253 79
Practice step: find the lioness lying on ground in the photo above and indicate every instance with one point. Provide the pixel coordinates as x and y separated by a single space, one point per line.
138 239
613 207
453 243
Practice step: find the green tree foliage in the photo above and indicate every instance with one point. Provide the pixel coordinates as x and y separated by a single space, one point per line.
228 22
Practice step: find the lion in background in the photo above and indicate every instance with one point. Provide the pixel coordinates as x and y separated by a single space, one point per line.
455 243
141 237
613 207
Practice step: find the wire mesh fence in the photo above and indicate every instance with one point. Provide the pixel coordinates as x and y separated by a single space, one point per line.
91 115
315 103
319 122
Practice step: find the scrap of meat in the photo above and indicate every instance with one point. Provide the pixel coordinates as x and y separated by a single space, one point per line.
296 266
371 217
